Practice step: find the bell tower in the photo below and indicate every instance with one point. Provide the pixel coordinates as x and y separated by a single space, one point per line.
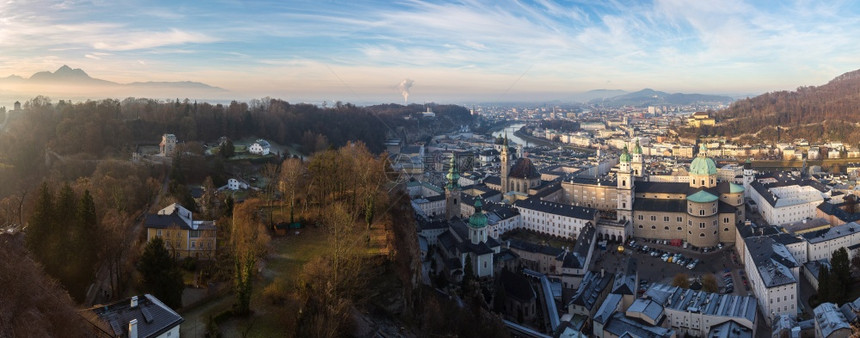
452 190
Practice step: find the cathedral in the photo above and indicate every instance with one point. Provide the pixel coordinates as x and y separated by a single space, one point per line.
702 212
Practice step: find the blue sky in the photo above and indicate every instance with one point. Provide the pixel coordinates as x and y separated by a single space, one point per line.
453 50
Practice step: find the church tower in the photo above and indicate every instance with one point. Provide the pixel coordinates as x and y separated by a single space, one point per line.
625 187
505 166
452 190
637 162
749 176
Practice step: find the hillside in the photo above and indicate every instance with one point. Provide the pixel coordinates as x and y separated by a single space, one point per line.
826 112
650 97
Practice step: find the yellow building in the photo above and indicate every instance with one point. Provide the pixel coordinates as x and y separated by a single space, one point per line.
701 119
183 236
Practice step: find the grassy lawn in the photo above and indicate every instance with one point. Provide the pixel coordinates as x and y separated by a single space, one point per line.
288 255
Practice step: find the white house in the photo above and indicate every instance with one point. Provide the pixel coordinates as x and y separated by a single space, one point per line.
823 242
260 147
785 202
554 218
773 274
234 184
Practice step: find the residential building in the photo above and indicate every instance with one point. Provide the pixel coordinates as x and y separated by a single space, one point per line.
182 235
773 275
138 317
830 322
260 147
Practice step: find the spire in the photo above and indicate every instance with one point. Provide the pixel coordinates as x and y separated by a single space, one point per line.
506 140
453 175
478 204
637 149
703 149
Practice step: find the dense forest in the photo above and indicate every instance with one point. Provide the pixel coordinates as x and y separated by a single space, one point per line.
112 128
824 113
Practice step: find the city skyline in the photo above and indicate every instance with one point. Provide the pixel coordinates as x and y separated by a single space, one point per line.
452 51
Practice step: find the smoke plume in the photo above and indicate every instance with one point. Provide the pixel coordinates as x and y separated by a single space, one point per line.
404 89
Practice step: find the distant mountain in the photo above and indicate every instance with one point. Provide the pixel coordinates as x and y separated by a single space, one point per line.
65 75
650 97
827 112
598 94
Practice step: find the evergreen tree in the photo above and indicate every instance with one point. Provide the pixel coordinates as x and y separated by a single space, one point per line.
841 266
824 292
87 236
39 236
161 276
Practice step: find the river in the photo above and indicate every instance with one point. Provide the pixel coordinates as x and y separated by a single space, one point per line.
510 131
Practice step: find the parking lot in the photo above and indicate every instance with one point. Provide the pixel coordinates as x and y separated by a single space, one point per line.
654 266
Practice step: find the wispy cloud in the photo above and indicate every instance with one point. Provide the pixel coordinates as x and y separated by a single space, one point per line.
557 46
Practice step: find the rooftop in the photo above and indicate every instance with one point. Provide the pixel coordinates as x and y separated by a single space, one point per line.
673 297
829 319
822 235
153 317
557 208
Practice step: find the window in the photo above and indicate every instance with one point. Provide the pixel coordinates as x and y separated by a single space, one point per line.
641 217
702 212
666 228
665 218
193 244
640 226
680 219
195 233
701 225
725 220
725 229
702 235
158 232
653 218
653 227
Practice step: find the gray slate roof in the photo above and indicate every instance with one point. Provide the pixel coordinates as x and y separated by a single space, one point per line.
153 317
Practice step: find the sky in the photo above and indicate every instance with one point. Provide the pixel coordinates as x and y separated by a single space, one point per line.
453 51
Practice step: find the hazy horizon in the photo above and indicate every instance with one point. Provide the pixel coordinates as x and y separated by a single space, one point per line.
454 52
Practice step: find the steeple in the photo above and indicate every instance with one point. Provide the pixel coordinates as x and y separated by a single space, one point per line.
453 175
452 190
504 165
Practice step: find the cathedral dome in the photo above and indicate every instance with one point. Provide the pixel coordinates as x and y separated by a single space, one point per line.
703 165
524 168
479 218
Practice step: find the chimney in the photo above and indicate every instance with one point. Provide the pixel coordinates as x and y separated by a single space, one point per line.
133 302
132 328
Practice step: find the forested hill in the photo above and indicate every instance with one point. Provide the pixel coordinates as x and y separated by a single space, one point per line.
827 112
101 128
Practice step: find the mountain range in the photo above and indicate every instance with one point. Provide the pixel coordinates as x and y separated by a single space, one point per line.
650 97
66 76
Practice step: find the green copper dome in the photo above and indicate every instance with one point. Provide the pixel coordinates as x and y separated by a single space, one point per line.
702 197
734 188
702 165
478 219
453 176
625 156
